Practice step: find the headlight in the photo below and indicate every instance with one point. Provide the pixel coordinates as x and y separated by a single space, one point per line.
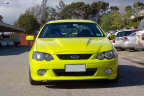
101 56
107 55
42 56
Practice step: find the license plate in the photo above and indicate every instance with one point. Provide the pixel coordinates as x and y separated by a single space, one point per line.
75 68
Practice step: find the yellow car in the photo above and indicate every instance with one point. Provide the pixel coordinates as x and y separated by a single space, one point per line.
72 50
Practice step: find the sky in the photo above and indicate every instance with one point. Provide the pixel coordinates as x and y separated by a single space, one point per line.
15 8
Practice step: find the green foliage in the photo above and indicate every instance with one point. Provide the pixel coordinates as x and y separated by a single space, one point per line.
107 16
84 11
28 22
105 22
133 11
114 9
138 5
128 9
117 22
74 10
99 7
111 21
128 14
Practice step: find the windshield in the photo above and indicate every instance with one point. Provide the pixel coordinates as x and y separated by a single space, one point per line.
125 33
60 30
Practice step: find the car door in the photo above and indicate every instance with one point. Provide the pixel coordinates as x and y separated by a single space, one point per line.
119 39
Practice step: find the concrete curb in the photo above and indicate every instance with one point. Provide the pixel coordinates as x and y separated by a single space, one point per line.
138 61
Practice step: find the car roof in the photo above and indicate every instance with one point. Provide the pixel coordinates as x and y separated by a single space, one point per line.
124 31
69 20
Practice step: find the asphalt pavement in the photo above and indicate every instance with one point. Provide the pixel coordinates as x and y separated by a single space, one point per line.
133 56
14 79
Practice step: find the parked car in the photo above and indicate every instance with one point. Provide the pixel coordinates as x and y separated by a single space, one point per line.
140 40
72 50
134 41
120 38
9 39
10 43
130 41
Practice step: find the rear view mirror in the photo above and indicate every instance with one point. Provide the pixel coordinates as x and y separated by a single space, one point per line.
111 37
30 37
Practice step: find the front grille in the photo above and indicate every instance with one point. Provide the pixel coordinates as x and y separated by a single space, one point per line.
61 72
73 56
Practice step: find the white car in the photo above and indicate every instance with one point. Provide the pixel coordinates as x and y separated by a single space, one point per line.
134 41
120 38
140 39
129 41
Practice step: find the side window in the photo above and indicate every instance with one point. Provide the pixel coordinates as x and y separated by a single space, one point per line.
128 33
120 34
133 34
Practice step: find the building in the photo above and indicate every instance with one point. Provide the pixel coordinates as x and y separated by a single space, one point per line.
8 34
9 28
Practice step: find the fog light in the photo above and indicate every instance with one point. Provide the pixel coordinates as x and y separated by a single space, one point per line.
108 71
41 72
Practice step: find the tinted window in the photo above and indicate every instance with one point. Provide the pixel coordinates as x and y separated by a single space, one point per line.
120 34
125 33
133 34
60 30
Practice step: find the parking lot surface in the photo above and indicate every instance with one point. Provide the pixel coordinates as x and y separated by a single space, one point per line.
14 79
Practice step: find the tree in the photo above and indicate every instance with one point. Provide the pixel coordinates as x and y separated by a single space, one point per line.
137 7
43 13
61 5
98 9
35 11
111 21
48 15
117 22
128 9
128 14
106 21
133 11
75 10
28 22
84 11
114 9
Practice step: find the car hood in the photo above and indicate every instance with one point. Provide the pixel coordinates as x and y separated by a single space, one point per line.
59 45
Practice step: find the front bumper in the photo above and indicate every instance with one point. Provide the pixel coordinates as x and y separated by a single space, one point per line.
51 66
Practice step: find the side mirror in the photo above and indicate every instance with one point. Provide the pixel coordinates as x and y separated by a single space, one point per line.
111 37
30 37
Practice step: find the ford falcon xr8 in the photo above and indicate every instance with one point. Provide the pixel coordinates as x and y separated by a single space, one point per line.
72 50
